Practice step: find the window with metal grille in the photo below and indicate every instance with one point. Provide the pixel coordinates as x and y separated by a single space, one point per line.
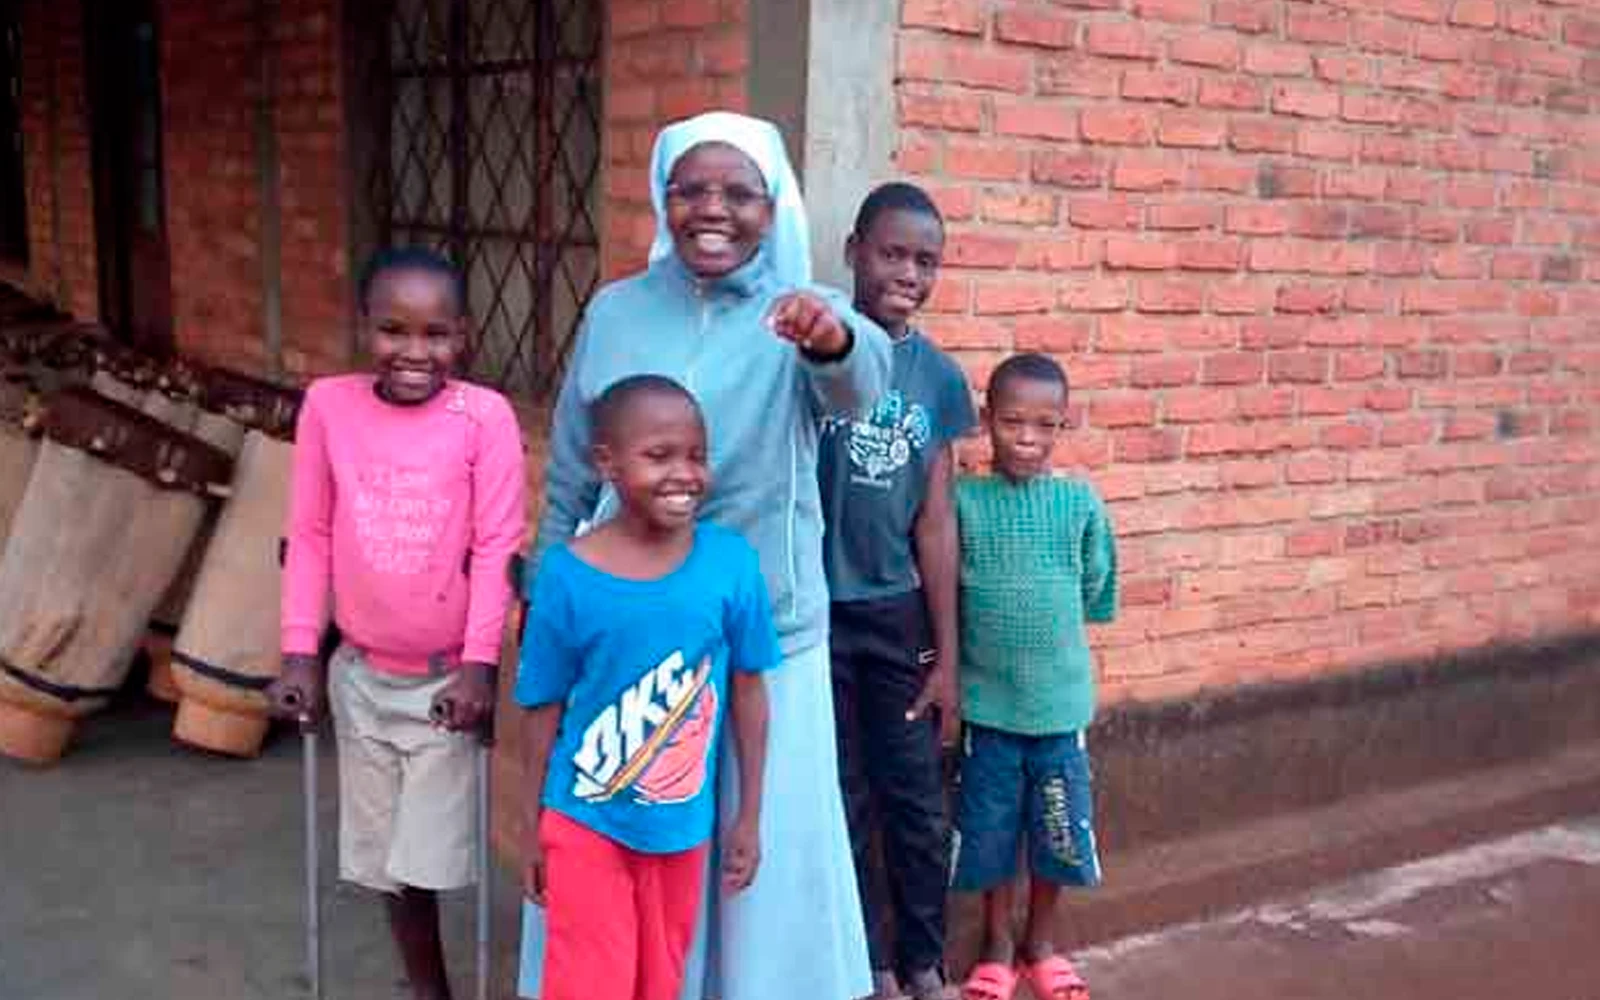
13 197
492 154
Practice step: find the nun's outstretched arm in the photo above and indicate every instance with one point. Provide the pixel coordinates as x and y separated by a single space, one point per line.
854 381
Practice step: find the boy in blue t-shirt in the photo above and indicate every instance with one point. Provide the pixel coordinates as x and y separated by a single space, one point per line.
637 633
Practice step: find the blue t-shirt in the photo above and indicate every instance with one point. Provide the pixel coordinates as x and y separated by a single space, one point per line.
642 669
874 468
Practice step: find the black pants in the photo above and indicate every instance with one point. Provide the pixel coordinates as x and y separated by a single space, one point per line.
890 772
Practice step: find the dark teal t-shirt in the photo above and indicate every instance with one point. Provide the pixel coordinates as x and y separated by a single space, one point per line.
874 471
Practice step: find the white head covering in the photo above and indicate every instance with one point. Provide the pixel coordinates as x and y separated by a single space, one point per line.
788 242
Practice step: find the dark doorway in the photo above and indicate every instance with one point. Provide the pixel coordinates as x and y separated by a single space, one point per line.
13 197
124 58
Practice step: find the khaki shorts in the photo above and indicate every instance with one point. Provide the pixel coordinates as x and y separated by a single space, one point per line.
407 790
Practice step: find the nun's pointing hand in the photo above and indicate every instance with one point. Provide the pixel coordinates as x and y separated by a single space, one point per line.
806 321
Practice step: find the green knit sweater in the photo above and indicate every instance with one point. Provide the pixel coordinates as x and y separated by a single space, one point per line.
1038 561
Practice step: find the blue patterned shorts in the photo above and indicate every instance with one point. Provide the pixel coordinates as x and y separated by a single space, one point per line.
1011 785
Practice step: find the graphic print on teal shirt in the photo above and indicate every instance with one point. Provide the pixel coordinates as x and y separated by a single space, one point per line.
873 469
893 432
653 742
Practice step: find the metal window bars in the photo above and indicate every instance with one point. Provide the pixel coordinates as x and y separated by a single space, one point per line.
493 155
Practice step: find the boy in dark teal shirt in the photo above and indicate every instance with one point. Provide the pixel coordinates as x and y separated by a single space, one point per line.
890 556
1038 561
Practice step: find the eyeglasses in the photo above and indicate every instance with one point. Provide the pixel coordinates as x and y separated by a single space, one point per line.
734 196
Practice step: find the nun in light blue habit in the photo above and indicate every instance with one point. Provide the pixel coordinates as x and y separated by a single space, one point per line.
700 314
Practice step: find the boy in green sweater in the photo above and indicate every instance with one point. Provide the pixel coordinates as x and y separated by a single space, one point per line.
1038 561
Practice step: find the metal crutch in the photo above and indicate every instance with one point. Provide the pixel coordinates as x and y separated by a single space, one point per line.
485 928
294 700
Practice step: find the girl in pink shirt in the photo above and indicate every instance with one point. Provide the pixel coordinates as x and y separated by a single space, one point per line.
408 503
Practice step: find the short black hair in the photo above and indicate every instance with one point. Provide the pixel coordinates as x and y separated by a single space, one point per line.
1030 367
410 258
891 196
606 412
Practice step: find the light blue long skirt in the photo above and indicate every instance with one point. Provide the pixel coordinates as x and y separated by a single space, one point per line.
796 934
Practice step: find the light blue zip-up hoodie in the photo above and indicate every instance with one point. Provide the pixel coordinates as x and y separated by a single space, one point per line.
763 402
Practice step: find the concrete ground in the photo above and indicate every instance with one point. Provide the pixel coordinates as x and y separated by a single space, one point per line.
136 869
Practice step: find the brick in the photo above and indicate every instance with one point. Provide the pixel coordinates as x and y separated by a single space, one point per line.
1319 221
1056 334
1035 27
1139 444
1011 297
1126 253
990 70
1262 136
955 16
1212 49
1130 335
1321 401
1072 169
1119 40
1021 209
980 250
957 113
1475 13
1142 84
1175 11
966 332
983 160
1243 368
1304 298
1305 100
1222 175
1257 219
1036 120
1429 11
1076 76
1359 366
1147 173
1164 372
1324 143
1190 129
1183 216
1264 58
1113 212
1171 295
1210 255
1093 295
1069 254
1343 68
1348 436
1117 126
1242 297
1247 16
1232 93
1197 406
1298 367
1308 469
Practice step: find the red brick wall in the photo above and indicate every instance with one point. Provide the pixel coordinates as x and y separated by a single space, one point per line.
53 72
211 65
213 211
1328 278
665 60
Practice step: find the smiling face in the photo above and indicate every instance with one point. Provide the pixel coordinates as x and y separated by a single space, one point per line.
415 333
718 209
895 262
1025 415
654 454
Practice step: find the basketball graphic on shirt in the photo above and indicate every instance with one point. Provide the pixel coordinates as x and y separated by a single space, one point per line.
653 743
891 434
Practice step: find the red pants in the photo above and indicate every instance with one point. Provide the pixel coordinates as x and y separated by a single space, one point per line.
619 921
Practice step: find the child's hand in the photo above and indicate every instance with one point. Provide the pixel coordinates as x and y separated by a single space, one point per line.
741 855
467 702
805 320
300 692
532 863
942 693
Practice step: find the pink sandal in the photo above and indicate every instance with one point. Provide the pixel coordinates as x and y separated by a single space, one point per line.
989 981
1054 978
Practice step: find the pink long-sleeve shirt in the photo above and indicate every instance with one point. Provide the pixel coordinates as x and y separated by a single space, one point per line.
407 516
